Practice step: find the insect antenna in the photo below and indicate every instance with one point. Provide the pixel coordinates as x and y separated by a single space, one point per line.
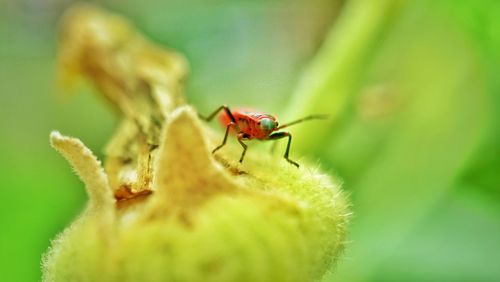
302 120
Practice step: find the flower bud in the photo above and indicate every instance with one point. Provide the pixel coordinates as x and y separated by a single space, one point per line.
164 208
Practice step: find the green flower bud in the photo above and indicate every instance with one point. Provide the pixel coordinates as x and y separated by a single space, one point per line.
165 209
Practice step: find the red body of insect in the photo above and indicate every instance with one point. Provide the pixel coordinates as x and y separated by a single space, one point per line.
249 123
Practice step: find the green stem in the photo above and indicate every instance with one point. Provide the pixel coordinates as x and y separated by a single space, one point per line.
336 71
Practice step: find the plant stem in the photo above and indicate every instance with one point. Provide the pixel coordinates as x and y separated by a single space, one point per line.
335 73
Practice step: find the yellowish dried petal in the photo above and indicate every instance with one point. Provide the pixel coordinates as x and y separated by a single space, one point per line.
186 175
88 168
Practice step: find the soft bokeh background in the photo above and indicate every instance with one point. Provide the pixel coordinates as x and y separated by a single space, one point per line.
417 141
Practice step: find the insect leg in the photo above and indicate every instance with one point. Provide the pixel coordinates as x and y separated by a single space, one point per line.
212 115
225 137
245 146
279 135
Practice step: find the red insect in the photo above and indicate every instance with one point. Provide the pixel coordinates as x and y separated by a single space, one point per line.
249 125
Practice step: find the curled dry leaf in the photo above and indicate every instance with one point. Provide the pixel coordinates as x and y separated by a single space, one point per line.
164 208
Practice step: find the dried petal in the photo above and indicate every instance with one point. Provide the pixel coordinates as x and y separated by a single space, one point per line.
89 170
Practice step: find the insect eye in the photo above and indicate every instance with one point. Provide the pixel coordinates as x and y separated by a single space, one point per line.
267 124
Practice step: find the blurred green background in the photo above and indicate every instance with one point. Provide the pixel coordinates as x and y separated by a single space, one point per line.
416 141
